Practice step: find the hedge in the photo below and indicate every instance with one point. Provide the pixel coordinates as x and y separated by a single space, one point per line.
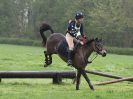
22 41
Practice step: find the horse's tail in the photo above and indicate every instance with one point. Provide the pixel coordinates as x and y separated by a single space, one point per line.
44 27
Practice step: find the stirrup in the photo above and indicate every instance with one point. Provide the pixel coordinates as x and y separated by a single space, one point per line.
69 62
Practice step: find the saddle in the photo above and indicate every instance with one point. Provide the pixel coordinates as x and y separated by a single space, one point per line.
62 49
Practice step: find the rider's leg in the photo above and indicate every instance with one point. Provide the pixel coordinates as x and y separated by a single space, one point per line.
69 61
69 40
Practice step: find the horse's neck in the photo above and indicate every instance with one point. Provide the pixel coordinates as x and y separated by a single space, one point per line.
88 52
85 51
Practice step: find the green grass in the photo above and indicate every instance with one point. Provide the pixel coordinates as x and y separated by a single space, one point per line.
25 58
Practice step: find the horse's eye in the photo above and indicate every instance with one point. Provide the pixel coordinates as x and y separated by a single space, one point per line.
98 45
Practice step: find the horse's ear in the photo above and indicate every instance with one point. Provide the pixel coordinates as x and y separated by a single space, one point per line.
96 39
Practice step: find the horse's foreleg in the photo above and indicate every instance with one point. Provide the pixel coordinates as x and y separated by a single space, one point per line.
78 79
87 79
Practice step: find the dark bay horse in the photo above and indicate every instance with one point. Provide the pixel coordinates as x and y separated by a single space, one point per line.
56 44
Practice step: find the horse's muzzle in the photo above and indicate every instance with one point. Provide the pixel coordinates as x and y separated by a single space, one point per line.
103 53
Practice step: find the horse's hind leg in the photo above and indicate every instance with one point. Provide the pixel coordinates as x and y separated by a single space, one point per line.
48 59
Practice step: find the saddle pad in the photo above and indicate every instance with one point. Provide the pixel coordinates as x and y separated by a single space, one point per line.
63 49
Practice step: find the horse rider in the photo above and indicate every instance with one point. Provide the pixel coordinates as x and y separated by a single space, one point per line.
74 31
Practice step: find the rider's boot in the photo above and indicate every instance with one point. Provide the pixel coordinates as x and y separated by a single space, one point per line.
69 60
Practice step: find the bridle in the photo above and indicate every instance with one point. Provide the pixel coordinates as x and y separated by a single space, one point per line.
97 50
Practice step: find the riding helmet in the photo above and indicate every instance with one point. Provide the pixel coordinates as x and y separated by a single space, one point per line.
79 15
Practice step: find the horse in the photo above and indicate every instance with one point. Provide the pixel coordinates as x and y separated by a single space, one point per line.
56 44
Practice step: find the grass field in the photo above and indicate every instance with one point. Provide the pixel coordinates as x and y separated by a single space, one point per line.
25 58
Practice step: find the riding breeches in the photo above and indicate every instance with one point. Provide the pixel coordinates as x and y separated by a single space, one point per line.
70 40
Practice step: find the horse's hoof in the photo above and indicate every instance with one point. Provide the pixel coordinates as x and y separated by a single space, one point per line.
45 65
77 88
92 88
74 81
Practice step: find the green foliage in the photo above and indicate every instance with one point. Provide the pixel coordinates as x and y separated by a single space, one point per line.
120 51
24 41
109 19
20 41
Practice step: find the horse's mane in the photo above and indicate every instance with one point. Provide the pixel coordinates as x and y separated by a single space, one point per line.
89 41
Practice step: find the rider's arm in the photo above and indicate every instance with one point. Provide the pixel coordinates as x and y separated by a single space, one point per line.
80 33
81 30
71 29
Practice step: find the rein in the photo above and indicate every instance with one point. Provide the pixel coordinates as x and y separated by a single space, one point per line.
91 59
94 58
